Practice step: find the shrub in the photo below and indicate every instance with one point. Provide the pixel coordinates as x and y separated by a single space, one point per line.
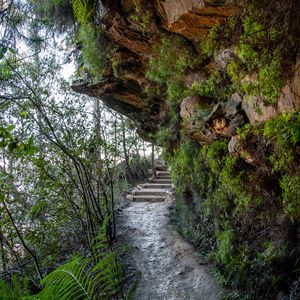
187 167
234 72
140 17
213 86
93 54
253 30
83 10
15 290
225 239
213 155
247 55
163 136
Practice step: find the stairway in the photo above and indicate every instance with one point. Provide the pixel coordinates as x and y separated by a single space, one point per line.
157 188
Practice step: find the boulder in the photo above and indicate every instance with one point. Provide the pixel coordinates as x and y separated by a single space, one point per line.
256 111
193 110
206 121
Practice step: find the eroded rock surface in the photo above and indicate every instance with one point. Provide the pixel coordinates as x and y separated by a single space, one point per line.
205 121
135 27
195 24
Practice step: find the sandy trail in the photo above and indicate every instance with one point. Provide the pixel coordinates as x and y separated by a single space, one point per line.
169 266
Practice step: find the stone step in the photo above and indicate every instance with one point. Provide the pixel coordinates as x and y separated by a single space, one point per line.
148 198
161 181
163 173
150 192
157 186
160 167
163 176
159 173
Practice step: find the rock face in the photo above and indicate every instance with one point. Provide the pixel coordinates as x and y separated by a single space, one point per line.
126 97
193 19
289 99
134 27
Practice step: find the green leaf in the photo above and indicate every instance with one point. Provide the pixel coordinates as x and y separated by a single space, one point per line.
23 114
2 52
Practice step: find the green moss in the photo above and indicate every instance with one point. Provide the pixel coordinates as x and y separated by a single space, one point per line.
162 68
176 91
209 45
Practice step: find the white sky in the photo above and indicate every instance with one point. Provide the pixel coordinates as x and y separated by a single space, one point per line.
68 70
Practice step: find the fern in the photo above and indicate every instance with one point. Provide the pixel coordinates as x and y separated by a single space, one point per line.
82 278
83 10
15 290
79 278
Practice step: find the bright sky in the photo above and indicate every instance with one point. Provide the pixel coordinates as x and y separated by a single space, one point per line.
68 70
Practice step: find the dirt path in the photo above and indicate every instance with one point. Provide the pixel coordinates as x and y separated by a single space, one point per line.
169 266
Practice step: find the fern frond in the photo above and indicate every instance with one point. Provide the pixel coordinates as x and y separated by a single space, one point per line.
16 289
83 10
67 281
80 279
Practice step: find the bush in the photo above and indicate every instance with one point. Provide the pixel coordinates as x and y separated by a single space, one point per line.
163 136
216 85
93 54
225 239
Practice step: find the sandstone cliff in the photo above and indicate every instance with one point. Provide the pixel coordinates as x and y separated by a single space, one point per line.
217 84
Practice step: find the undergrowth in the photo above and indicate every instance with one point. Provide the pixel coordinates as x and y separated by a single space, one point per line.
225 192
